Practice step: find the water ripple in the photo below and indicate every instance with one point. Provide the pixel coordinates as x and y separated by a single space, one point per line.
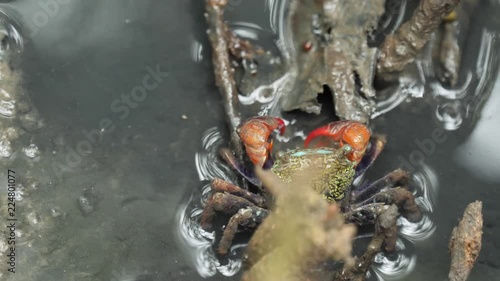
197 243
9 30
396 266
207 162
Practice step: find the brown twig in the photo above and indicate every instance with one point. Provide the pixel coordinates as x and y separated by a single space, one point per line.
465 242
223 186
400 49
384 234
224 73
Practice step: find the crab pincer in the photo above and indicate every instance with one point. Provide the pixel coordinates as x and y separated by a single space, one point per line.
352 133
255 134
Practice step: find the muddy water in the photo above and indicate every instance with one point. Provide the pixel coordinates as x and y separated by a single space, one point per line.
110 191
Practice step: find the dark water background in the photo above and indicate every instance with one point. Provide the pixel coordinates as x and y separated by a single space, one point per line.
120 204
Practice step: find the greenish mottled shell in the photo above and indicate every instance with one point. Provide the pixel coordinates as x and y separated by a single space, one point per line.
333 180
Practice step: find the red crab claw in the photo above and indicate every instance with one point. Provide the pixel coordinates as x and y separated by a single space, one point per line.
255 134
353 133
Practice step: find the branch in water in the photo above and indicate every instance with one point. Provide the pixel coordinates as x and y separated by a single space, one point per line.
400 49
465 242
224 73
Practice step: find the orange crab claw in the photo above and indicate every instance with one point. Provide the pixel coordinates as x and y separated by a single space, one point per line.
353 133
255 134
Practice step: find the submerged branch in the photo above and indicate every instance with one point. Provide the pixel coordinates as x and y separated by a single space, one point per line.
401 48
224 73
465 242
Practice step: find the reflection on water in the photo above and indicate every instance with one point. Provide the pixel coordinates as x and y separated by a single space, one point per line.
454 105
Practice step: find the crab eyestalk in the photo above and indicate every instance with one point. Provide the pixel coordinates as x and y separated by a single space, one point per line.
255 135
353 133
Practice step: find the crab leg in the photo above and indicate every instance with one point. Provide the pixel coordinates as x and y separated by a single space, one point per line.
222 202
385 234
248 174
219 185
364 214
399 196
395 178
249 217
402 198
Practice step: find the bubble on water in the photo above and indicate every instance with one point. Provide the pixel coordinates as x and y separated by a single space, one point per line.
85 205
33 218
6 149
56 212
31 151
7 104
450 115
19 193
87 202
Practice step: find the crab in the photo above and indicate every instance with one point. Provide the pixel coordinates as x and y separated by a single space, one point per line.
350 152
